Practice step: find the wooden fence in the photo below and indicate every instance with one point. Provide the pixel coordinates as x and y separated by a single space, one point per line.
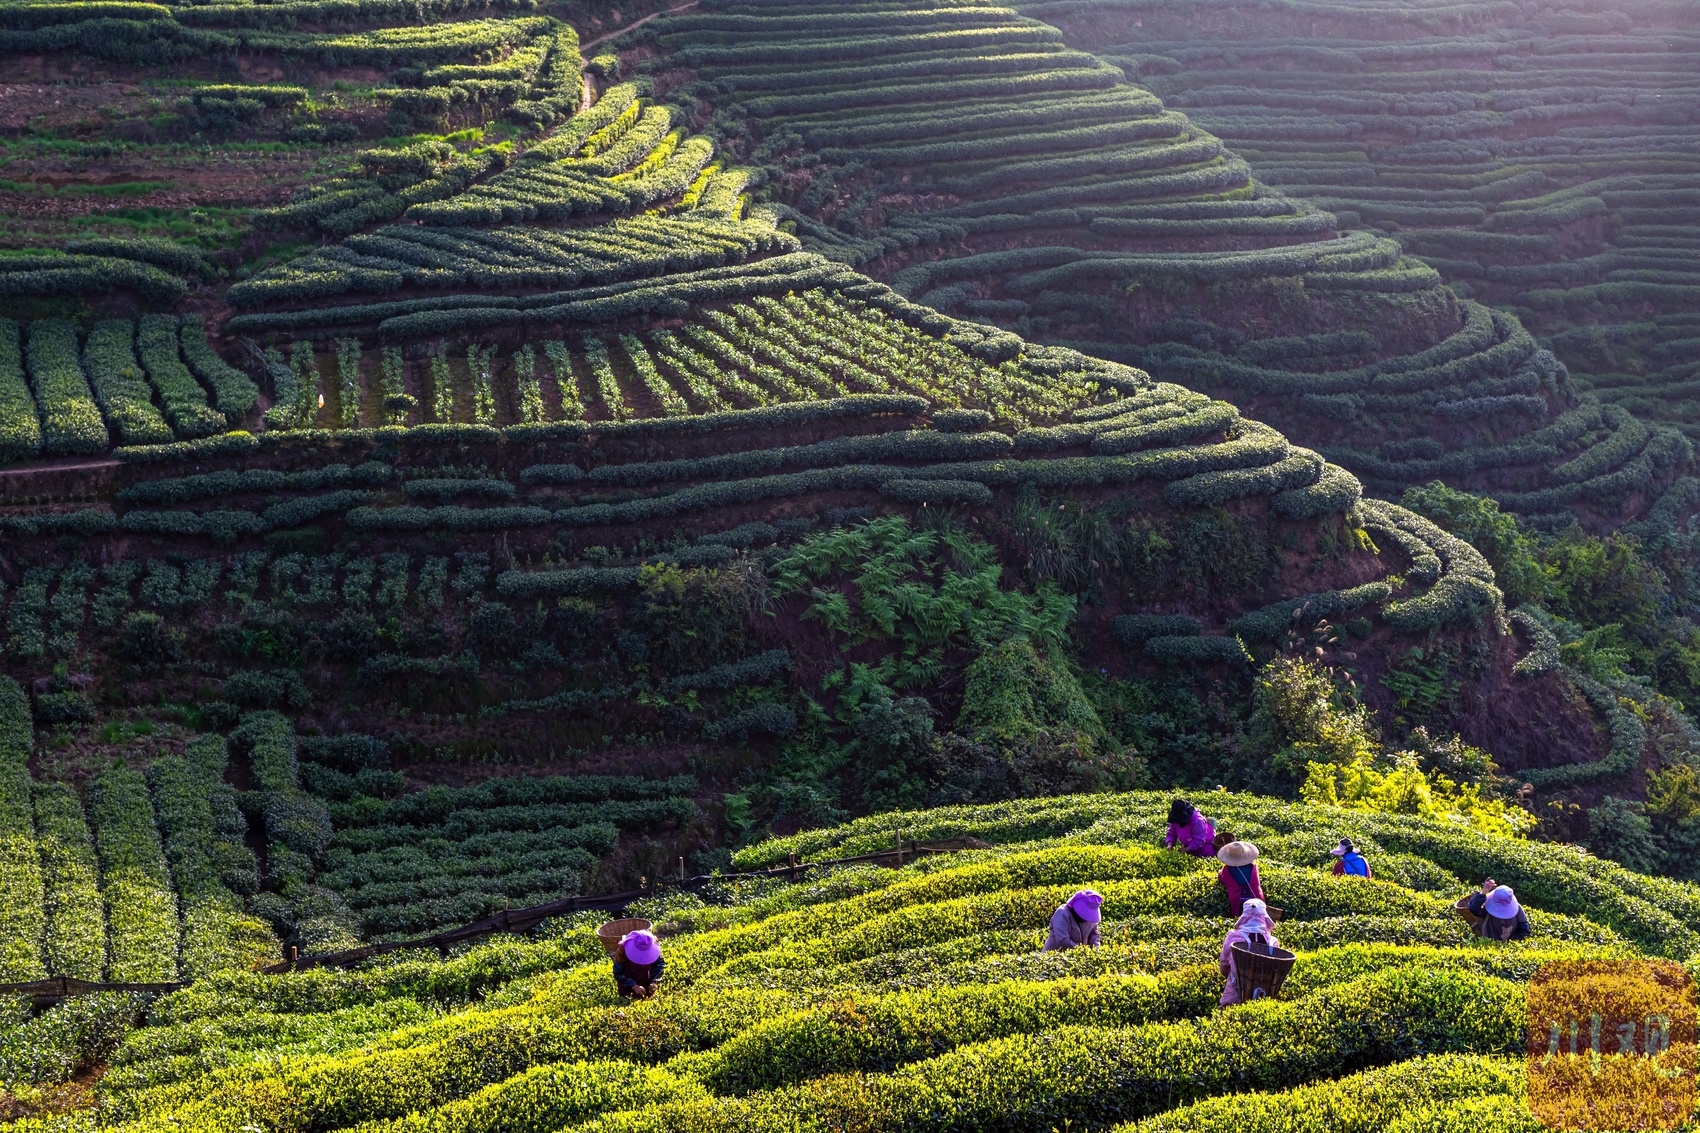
45 993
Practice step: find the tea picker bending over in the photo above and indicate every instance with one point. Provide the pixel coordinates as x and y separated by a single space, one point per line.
1348 862
1502 917
1190 830
638 965
1075 922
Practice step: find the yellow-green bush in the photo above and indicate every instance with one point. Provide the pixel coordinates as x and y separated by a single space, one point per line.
916 998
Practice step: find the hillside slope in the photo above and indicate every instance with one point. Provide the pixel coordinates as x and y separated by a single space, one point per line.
743 428
916 998
527 431
1539 156
1051 196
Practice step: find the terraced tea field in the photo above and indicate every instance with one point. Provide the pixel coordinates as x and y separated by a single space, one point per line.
987 168
1337 336
457 456
1539 156
917 998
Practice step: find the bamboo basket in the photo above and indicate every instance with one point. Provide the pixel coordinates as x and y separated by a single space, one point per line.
1258 975
613 932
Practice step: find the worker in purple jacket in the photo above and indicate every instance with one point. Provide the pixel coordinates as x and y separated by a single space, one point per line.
1075 922
1190 830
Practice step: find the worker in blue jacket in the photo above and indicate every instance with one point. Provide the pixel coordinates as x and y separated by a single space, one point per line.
1348 862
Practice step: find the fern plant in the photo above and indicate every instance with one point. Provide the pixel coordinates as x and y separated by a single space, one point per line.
924 591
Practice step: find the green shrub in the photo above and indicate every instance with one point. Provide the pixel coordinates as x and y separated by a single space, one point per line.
226 444
60 274
183 399
1366 1102
20 429
1335 490
1201 650
1305 611
435 805
120 387
54 1045
141 909
22 916
234 392
1137 629
70 420
75 943
1106 1074
216 933
767 719
941 492
31 16
547 1098
880 1033
166 254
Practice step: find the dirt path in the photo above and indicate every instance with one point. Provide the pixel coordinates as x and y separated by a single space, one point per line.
583 47
37 468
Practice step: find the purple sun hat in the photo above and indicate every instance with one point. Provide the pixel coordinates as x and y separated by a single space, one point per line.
1087 905
1502 903
641 947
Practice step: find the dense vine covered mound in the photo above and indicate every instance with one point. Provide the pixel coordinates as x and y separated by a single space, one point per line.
917 999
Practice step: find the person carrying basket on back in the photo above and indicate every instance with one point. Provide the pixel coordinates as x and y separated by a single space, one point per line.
1255 931
638 965
1190 830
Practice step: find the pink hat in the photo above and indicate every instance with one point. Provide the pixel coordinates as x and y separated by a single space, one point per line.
641 947
1087 905
1502 903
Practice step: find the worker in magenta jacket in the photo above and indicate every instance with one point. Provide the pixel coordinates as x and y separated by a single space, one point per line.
1190 831
1239 875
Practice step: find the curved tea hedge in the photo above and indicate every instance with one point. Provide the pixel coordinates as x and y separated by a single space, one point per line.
924 985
